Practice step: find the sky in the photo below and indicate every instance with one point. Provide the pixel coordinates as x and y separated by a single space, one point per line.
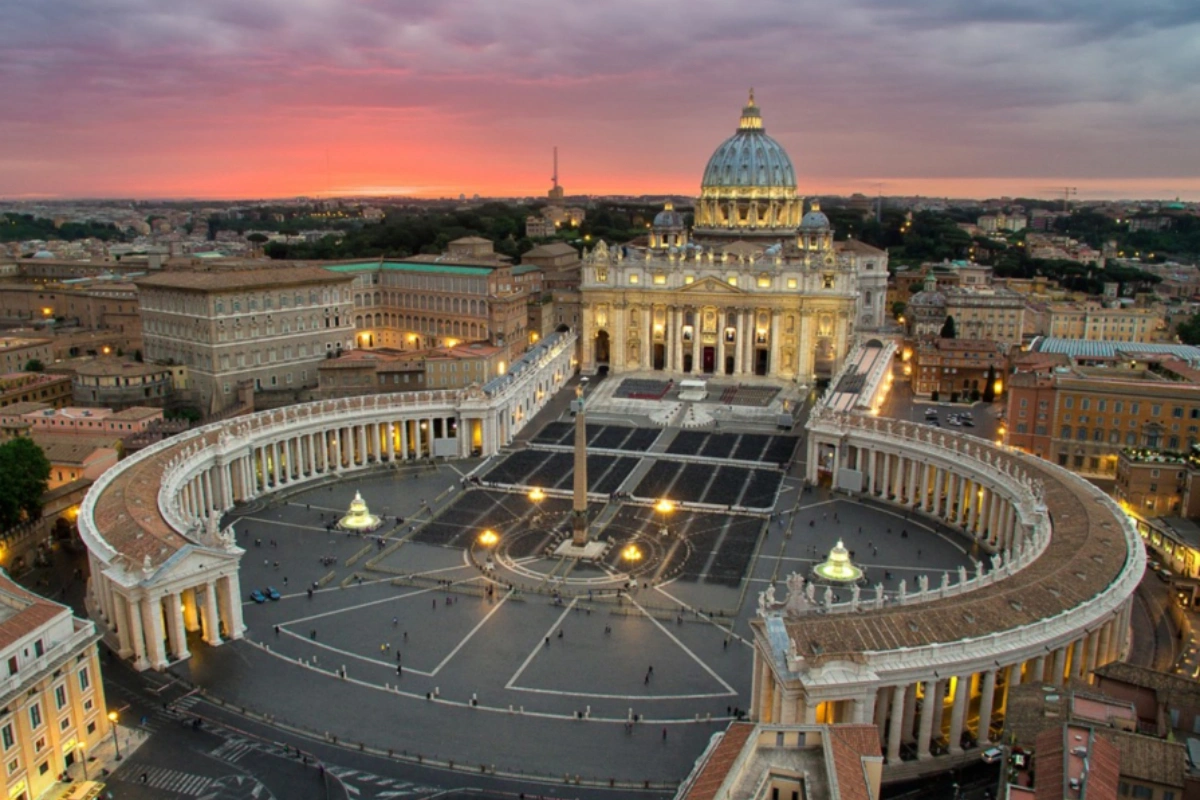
429 98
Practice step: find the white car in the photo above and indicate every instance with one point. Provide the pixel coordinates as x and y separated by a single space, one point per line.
992 755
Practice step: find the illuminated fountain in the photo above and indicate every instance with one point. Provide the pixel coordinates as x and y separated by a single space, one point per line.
359 518
837 568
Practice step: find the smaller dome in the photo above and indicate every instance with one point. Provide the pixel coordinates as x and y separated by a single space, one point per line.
928 299
815 218
668 217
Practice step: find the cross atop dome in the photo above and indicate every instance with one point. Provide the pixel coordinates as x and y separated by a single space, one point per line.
751 116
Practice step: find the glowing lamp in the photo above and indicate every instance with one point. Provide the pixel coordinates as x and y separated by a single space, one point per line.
488 538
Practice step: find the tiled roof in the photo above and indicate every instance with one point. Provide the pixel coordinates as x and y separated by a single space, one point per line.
850 744
1148 758
719 762
219 279
31 611
1086 553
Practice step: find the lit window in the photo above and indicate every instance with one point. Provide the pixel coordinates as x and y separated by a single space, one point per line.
633 278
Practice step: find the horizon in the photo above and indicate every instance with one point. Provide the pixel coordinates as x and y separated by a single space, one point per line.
931 98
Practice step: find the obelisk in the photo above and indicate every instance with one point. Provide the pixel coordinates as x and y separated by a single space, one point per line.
579 518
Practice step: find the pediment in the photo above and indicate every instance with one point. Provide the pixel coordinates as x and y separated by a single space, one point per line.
712 286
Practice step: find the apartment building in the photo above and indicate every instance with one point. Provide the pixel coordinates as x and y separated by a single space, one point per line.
1096 322
53 711
270 327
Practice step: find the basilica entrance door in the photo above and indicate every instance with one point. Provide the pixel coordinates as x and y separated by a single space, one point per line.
762 362
660 356
710 357
729 365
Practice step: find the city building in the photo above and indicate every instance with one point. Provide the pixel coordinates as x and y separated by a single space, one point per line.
1156 483
120 383
24 419
979 312
539 227
1001 223
384 370
35 387
1080 417
270 327
753 290
17 351
773 762
75 457
958 368
53 705
470 294
1091 320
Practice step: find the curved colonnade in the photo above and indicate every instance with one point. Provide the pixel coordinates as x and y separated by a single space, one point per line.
936 665
160 564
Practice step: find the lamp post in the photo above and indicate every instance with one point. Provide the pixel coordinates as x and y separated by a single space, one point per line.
664 507
536 496
82 748
112 718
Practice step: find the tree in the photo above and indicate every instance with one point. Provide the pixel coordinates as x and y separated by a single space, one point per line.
34 365
898 309
989 388
24 473
1189 331
948 328
257 238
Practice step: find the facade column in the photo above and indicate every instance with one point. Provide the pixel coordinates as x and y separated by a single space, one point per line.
212 619
1039 670
896 725
958 711
928 703
1093 651
404 440
152 624
1104 653
910 712
986 699
191 612
789 701
389 432
231 608
120 618
137 639
1058 671
176 630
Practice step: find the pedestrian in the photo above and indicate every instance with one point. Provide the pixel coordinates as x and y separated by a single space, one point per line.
383 648
285 580
664 734
397 656
399 670
406 636
646 680
313 634
547 641
310 593
395 621
277 631
651 670
276 566
435 603
560 633
145 778
266 562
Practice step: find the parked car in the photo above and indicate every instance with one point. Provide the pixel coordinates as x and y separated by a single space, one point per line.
258 596
992 755
967 423
271 592
1164 575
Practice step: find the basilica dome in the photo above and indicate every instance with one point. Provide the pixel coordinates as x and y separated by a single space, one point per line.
748 190
750 158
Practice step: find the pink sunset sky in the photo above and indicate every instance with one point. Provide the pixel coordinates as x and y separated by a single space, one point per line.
277 98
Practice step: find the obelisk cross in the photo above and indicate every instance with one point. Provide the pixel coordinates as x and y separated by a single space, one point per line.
579 518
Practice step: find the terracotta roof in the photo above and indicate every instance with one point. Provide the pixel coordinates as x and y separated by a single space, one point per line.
1181 690
103 367
720 761
136 413
856 246
32 611
850 744
221 280
1086 553
67 449
1147 758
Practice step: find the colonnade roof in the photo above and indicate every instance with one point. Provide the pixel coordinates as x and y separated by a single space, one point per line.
1087 552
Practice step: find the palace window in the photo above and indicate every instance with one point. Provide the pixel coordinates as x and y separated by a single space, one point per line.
660 279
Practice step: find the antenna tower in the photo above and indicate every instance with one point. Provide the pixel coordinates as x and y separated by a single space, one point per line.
554 177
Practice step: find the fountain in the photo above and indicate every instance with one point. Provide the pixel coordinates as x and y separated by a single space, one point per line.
837 568
359 518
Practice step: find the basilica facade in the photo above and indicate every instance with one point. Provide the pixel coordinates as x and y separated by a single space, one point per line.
755 288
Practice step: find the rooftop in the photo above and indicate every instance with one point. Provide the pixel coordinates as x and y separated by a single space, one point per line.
234 279
1086 553
22 612
439 267
107 367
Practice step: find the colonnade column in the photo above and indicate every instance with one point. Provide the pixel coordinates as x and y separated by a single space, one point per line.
925 734
212 618
1060 666
896 726
176 630
958 711
152 624
986 698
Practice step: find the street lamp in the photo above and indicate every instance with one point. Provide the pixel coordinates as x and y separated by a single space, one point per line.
488 538
112 718
536 496
664 507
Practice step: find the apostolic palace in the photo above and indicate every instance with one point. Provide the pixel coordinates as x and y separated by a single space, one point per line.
754 289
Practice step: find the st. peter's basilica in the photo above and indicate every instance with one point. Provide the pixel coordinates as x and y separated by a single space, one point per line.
755 288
